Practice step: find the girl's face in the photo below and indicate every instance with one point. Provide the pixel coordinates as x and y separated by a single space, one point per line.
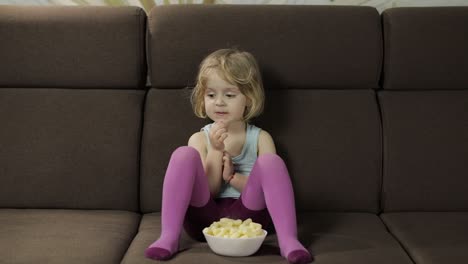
223 101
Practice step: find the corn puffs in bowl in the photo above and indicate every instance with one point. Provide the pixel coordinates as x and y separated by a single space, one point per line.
234 238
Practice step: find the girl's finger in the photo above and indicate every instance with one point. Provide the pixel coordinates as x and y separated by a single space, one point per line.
220 132
224 136
217 125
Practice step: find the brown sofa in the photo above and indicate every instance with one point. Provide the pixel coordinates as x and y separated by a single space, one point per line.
369 111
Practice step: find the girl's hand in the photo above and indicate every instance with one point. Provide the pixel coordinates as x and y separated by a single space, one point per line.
218 133
228 167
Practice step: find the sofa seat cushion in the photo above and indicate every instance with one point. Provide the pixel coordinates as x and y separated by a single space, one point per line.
65 236
431 237
332 237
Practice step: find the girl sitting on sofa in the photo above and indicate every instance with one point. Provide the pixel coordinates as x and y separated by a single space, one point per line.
229 168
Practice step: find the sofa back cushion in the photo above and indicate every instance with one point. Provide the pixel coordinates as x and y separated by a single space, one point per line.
424 109
425 48
71 106
319 65
72 47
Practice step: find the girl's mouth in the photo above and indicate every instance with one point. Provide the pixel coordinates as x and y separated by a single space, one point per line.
221 113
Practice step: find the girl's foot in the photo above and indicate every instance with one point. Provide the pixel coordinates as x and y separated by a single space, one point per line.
157 253
295 252
162 249
299 257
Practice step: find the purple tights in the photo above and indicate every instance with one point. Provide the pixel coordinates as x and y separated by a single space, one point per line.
268 186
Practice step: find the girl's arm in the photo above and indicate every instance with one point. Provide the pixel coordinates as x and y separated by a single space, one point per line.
265 145
213 170
211 160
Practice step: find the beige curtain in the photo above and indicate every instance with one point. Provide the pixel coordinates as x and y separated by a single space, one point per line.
380 5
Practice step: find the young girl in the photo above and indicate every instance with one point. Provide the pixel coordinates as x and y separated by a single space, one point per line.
229 168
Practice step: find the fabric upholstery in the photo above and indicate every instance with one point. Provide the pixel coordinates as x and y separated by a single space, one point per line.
425 48
296 46
74 149
425 128
70 108
431 237
65 236
332 237
73 47
425 150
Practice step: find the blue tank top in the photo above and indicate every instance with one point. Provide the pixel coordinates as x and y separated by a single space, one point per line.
243 163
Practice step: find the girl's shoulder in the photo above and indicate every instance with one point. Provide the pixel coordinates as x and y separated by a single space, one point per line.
265 143
198 141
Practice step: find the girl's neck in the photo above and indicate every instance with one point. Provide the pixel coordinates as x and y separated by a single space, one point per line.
237 127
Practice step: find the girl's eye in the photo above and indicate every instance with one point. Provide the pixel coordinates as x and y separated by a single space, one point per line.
210 95
230 95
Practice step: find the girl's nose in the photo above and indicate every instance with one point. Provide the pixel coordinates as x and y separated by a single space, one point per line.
219 101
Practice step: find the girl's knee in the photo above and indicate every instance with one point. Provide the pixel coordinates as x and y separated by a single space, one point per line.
272 165
186 154
270 158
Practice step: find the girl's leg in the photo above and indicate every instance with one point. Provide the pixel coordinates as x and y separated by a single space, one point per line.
269 186
185 184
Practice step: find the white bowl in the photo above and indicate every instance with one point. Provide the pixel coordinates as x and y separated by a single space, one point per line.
235 247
